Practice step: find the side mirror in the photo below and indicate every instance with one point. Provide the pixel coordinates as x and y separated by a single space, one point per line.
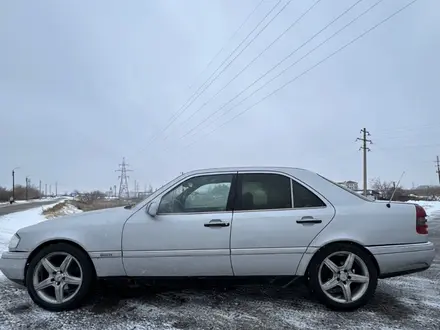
152 209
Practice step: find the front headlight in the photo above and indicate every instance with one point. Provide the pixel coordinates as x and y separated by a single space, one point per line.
13 243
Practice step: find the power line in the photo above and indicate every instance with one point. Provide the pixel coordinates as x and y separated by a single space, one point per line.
227 42
196 94
255 58
310 68
287 68
365 149
401 146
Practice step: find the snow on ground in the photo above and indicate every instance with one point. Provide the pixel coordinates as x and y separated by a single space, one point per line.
408 302
432 208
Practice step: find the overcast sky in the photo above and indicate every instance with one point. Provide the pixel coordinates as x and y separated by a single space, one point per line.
85 83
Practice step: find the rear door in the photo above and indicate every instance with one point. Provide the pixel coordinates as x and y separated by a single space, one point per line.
275 219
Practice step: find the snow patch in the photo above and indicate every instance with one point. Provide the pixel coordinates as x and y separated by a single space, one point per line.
65 208
432 208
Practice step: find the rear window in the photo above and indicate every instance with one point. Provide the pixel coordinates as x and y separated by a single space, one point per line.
347 190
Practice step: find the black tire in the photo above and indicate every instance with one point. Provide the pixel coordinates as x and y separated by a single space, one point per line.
318 292
88 275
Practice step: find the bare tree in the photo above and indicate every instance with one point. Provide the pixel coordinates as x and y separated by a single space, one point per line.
90 197
386 188
20 193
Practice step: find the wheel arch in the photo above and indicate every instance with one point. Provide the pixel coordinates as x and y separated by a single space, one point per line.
52 242
303 268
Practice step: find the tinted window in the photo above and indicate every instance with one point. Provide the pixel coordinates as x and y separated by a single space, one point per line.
263 191
199 194
303 197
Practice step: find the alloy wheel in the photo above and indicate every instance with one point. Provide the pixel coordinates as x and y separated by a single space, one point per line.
57 277
343 277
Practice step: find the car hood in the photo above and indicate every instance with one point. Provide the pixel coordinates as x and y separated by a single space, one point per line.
94 230
103 217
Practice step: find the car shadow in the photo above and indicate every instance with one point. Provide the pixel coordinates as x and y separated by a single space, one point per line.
111 297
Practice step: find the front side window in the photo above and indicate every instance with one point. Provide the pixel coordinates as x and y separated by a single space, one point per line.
263 191
207 193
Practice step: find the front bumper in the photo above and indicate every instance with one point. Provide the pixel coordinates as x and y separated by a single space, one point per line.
12 264
395 260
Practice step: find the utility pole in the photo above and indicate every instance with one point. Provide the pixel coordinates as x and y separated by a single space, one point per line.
364 148
438 168
114 190
27 186
45 190
56 188
13 182
124 190
40 192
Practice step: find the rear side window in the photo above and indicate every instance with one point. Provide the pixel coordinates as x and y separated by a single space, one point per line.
263 191
346 189
303 197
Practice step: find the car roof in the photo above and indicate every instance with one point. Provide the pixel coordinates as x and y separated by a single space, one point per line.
247 168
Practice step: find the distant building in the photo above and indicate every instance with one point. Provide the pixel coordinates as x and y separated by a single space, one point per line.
353 185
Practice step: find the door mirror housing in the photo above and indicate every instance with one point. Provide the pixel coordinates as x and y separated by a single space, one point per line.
152 209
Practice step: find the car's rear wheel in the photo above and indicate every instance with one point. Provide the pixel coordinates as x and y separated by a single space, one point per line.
59 277
343 276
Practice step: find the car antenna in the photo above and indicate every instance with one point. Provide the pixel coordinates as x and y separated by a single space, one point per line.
394 191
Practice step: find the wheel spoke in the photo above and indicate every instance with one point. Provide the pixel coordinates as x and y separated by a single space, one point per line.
59 293
66 263
356 278
44 284
346 290
73 280
348 265
50 268
330 284
331 265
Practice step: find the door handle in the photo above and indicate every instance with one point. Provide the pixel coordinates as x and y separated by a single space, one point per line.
308 219
216 223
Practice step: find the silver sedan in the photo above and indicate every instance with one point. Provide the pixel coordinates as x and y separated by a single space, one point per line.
259 222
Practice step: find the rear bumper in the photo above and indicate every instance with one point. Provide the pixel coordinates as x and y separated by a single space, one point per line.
12 264
396 260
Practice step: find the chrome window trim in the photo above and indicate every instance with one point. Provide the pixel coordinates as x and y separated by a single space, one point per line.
321 197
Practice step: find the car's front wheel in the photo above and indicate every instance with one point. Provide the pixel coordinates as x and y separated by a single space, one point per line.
343 276
59 277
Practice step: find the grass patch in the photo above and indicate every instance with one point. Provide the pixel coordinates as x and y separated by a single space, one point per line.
56 211
98 204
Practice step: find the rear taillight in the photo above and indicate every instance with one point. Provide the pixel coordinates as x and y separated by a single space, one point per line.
421 221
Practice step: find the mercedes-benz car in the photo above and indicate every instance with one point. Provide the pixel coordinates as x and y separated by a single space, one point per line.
242 223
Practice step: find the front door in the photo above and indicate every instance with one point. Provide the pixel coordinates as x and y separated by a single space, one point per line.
275 219
190 234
